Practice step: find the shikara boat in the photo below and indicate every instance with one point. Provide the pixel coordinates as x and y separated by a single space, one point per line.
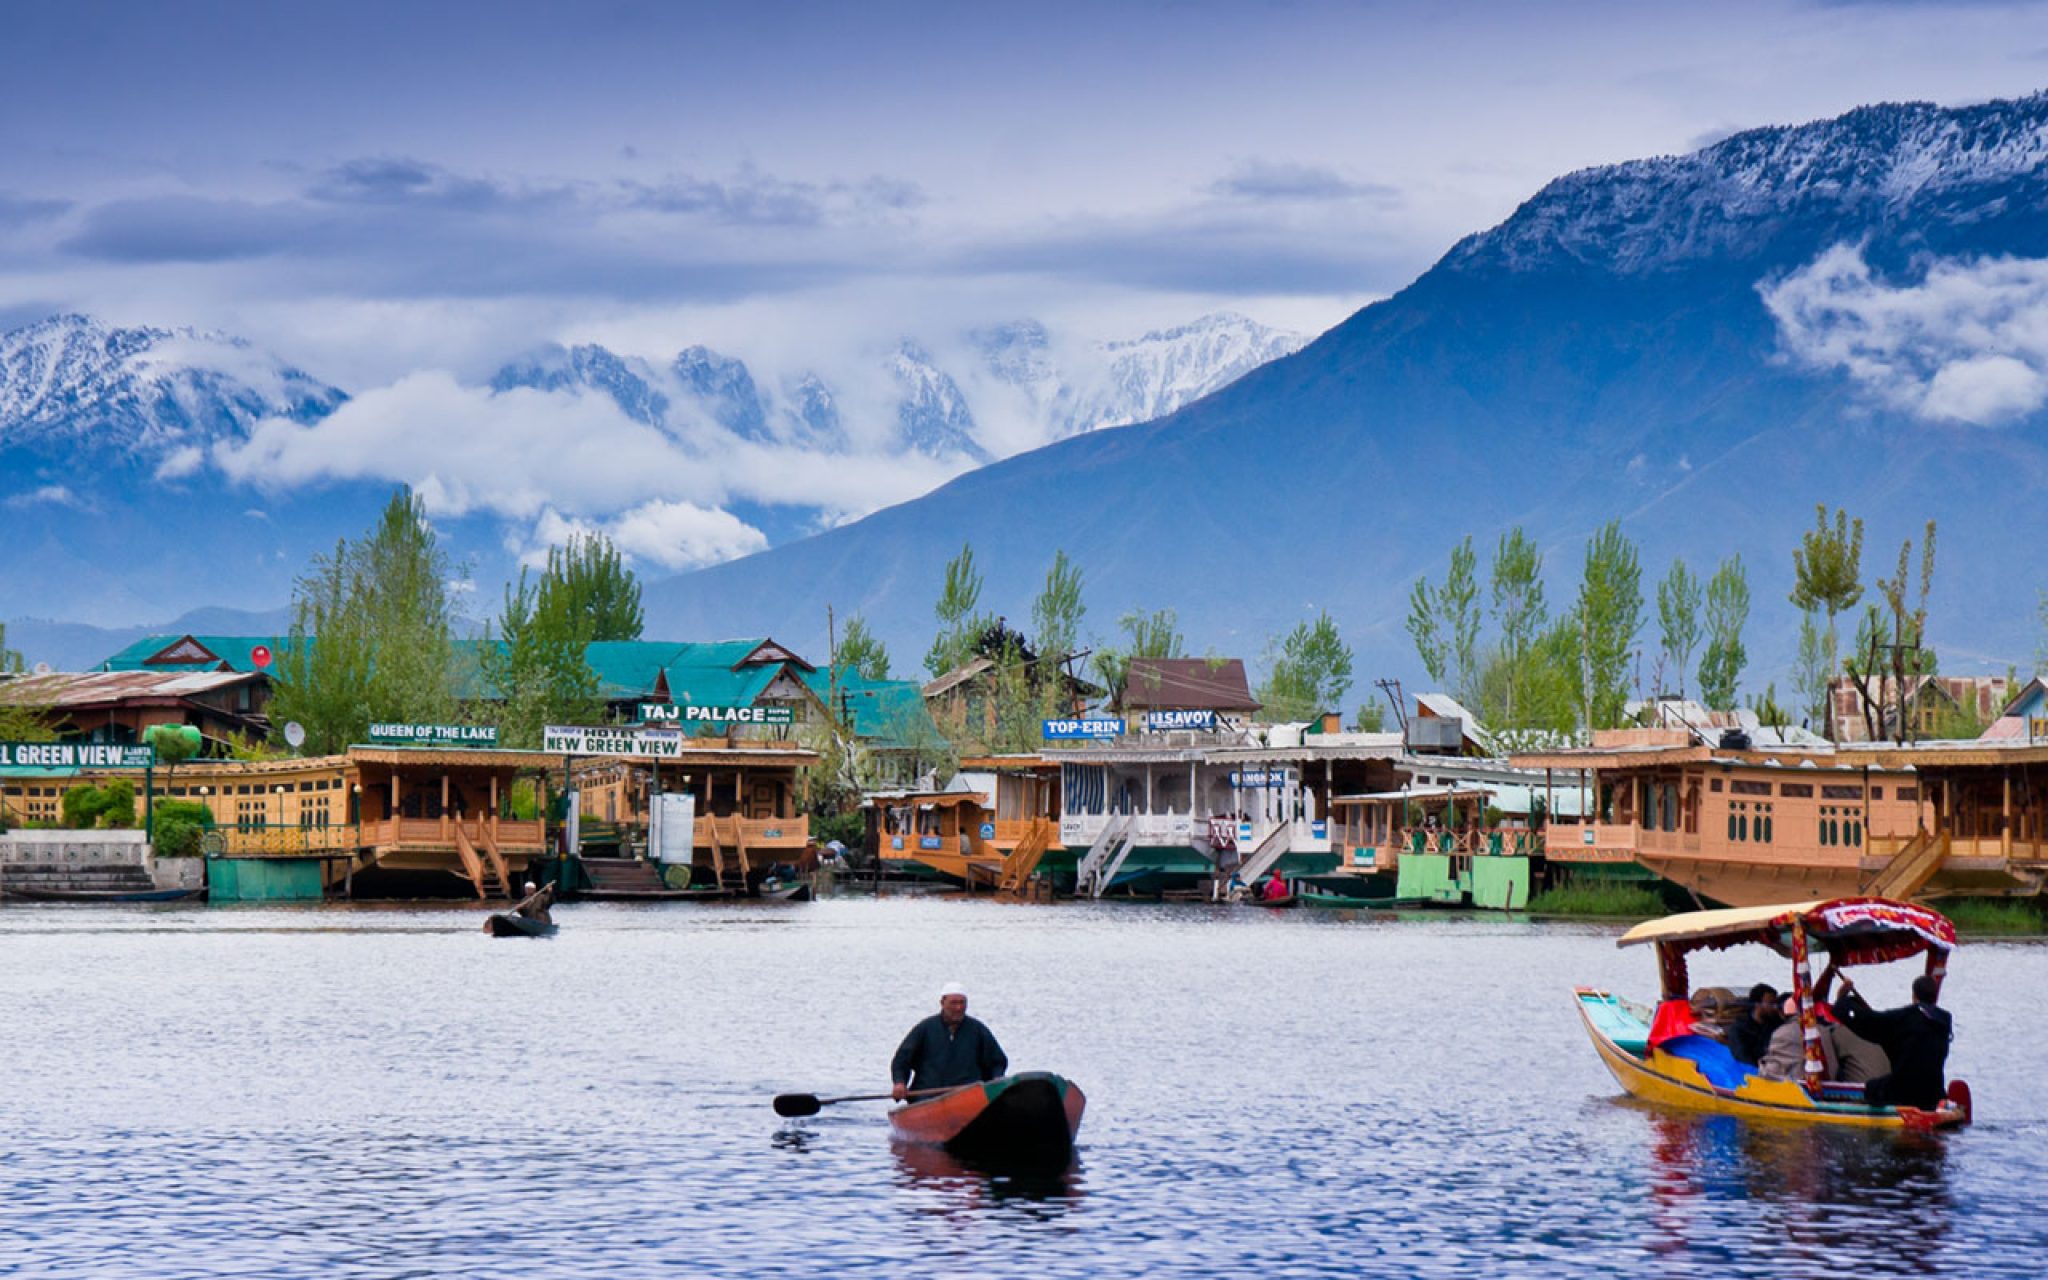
1659 1059
1343 902
1258 900
1026 1119
100 895
510 924
798 892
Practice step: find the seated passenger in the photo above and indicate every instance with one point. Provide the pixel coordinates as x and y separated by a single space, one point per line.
1714 1012
1785 1057
1748 1039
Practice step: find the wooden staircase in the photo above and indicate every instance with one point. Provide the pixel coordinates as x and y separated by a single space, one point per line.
488 874
731 871
624 876
1022 862
1261 860
1910 869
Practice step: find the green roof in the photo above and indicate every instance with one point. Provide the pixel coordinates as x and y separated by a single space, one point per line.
238 652
889 714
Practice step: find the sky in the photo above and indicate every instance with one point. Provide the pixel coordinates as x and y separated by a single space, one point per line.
401 197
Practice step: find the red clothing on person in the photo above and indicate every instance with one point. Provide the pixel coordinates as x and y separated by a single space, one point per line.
1276 888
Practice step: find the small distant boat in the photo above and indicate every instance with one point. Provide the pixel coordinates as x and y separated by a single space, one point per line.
1664 1065
510 924
100 895
1343 902
798 892
1260 900
1026 1119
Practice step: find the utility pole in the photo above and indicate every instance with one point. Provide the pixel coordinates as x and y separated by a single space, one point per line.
1392 690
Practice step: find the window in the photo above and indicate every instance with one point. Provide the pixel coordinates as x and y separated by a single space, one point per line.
1744 788
1731 827
1835 791
1713 784
1796 790
1742 827
1910 795
1877 793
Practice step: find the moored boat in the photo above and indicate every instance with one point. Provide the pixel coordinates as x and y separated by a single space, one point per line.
1287 900
1344 902
100 895
1658 1057
1028 1118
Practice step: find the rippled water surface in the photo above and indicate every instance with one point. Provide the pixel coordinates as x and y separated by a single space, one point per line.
363 1092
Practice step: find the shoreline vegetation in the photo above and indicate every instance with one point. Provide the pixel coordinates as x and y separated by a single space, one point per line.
1586 896
1994 917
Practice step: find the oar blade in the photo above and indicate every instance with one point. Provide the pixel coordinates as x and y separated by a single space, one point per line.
795 1105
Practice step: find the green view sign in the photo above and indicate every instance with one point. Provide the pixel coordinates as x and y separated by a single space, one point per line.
434 735
75 755
690 713
611 740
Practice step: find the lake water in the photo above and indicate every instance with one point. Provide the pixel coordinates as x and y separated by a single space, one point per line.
383 1092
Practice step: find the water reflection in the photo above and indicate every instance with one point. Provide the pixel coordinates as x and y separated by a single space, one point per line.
1720 1185
967 1185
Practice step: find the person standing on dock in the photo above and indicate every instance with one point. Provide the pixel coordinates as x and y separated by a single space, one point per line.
946 1050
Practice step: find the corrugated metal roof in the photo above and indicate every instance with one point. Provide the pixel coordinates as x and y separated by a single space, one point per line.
95 688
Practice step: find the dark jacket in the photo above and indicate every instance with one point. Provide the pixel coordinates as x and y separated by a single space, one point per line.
935 1056
1915 1038
1748 1039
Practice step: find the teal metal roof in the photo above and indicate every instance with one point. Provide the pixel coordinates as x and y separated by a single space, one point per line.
235 651
888 714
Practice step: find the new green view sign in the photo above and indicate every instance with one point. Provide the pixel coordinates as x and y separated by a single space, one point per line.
75 755
434 735
691 713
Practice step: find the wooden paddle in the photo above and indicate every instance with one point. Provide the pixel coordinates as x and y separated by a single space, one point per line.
810 1104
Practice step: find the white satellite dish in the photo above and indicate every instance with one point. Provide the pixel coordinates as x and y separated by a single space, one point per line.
294 734
42 668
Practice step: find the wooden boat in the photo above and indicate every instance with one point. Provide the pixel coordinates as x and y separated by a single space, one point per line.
101 895
510 924
798 892
1663 1064
1343 902
1258 900
1025 1119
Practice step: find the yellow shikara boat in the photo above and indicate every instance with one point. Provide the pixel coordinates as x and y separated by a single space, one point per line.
1655 1059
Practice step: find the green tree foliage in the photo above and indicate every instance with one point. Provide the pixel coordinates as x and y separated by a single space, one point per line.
10 659
1607 617
372 635
109 806
587 581
1813 669
861 651
957 610
1371 718
1444 621
1891 643
1057 613
1310 672
1727 612
1769 713
1520 612
1153 634
178 826
533 658
1678 619
1827 572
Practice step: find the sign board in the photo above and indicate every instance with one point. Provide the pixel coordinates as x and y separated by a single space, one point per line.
929 842
434 735
75 755
1166 721
1084 727
689 714
570 740
1262 778
988 830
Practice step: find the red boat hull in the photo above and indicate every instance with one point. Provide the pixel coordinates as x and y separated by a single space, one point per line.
1030 1117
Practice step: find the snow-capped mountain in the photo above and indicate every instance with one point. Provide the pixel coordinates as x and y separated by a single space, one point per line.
932 404
75 382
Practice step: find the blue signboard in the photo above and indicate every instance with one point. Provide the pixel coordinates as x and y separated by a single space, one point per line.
1262 778
1164 721
1084 727
928 842
988 830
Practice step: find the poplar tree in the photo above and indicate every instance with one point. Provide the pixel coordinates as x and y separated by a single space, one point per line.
1310 673
1678 618
1607 617
1444 621
960 625
1727 612
861 651
1827 572
587 583
1145 635
1520 613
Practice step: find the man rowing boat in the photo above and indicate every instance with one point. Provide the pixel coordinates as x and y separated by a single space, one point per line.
946 1050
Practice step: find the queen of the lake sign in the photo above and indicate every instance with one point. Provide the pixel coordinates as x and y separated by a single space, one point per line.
434 735
75 755
691 713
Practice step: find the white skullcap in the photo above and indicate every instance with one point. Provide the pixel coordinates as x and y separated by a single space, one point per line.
952 989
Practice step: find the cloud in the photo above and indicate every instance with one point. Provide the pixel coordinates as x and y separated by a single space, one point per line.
183 461
55 495
753 198
384 180
19 211
1281 180
673 535
1968 343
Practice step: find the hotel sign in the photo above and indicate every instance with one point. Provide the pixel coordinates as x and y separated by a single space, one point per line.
75 755
1166 721
434 735
1085 727
569 740
690 713
1262 778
